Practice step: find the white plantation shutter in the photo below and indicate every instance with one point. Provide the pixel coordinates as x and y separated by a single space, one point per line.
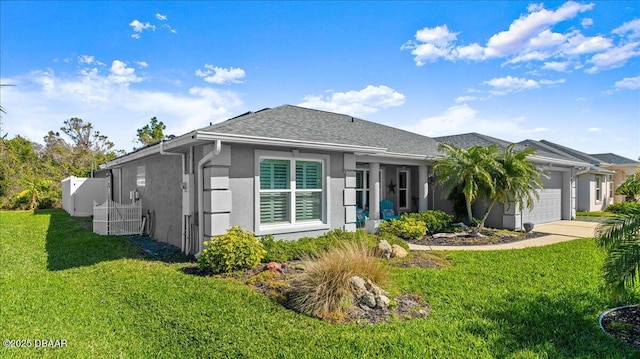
281 201
309 190
274 205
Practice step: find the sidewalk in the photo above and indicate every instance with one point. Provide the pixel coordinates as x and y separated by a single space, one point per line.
561 231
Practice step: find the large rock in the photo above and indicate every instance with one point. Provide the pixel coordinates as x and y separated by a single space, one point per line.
384 249
398 252
373 288
382 301
368 299
358 287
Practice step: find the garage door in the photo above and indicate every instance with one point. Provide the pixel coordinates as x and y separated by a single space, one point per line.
548 208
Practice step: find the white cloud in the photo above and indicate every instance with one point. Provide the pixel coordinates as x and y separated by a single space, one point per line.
139 27
517 38
510 83
465 99
42 100
218 75
556 66
357 103
630 83
529 39
631 29
142 63
594 129
613 58
122 74
432 43
552 82
462 118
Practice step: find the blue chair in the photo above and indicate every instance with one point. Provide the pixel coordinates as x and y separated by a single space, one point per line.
386 210
361 217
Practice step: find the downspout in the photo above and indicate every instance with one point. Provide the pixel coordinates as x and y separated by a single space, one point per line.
162 152
207 158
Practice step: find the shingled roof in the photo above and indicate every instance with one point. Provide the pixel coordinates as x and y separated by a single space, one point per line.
289 122
612 158
467 140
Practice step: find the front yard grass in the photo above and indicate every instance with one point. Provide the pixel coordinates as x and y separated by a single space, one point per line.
60 281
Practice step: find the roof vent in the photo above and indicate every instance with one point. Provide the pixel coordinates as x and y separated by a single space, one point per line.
352 119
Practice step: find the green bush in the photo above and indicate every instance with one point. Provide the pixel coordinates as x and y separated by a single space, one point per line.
435 220
594 214
624 208
235 250
407 227
283 250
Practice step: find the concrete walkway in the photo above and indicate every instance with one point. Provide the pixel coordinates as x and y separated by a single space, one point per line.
560 231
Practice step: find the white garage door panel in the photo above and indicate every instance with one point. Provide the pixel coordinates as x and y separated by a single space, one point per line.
547 209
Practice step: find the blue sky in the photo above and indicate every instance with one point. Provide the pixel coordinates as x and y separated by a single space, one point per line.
567 72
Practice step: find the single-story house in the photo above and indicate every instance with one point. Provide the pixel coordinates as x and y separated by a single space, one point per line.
595 186
286 171
292 172
621 166
557 200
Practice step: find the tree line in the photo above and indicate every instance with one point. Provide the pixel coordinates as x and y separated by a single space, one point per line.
31 173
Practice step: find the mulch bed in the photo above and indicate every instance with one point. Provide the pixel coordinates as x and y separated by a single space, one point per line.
488 236
624 324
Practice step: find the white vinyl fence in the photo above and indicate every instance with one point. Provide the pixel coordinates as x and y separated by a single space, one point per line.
111 218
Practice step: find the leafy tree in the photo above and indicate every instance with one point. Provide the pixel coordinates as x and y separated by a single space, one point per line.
471 169
515 180
151 132
620 238
630 188
36 191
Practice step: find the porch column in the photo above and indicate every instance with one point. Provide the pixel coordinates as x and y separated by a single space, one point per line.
374 188
423 188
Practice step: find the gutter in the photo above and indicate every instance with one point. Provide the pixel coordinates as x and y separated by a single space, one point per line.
182 156
207 158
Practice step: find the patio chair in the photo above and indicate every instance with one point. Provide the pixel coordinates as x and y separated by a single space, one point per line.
361 217
386 210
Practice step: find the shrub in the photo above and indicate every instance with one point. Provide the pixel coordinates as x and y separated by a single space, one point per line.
235 250
594 214
407 227
435 220
282 250
324 288
624 208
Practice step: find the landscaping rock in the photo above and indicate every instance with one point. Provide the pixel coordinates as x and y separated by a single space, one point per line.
275 266
382 301
373 288
384 249
444 235
398 252
368 299
358 287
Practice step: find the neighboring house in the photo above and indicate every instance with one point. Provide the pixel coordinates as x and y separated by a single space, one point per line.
595 186
287 171
623 168
557 200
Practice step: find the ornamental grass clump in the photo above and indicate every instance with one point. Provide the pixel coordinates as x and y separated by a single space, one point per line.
235 250
324 288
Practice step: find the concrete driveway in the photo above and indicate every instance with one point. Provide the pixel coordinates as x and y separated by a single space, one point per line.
560 231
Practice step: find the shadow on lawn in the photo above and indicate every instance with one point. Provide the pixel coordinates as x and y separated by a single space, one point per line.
560 326
71 243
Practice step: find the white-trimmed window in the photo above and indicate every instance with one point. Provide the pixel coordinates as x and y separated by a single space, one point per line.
292 191
598 188
362 189
404 199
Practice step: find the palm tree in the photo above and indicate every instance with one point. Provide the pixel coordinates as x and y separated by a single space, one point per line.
620 238
470 169
515 180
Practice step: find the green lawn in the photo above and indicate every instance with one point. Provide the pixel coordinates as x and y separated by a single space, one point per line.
59 281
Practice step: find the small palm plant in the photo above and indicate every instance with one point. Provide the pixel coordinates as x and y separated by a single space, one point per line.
620 238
